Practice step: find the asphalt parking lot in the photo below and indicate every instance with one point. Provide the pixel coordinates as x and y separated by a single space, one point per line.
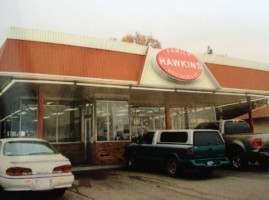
121 184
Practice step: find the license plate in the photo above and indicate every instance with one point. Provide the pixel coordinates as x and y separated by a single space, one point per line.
41 185
210 163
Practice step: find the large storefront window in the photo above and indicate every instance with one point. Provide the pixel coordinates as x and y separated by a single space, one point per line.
182 118
178 118
29 118
62 122
112 120
147 118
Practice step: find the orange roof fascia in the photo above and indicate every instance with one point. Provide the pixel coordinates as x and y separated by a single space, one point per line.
240 78
66 60
260 112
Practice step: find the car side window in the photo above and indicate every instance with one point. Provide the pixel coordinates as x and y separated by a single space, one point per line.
171 137
148 138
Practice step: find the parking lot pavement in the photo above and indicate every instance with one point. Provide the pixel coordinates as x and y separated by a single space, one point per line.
222 184
121 184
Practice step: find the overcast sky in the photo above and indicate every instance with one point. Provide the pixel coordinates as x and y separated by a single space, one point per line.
236 28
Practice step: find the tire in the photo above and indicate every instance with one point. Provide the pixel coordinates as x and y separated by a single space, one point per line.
238 159
172 167
130 162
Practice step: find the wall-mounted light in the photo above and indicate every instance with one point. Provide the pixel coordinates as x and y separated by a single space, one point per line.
101 85
44 82
257 95
230 93
153 89
195 91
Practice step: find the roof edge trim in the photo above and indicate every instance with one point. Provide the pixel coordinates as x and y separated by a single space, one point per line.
233 62
74 40
66 78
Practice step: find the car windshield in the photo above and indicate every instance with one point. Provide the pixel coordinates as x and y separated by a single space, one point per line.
207 138
24 148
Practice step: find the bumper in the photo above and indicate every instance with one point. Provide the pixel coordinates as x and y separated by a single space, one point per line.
214 162
261 155
36 183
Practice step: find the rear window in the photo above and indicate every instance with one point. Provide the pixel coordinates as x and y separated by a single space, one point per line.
181 137
207 138
236 127
25 148
208 125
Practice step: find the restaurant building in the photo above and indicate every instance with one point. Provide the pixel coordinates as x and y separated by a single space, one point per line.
89 97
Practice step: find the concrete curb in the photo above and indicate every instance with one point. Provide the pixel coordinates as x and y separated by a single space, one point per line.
95 167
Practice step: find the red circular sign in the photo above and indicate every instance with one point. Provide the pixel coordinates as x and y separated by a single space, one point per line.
179 64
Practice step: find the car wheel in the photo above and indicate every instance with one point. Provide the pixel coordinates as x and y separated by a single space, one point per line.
172 166
238 159
130 161
59 192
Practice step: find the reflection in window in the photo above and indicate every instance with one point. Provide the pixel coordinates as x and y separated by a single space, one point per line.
188 118
178 117
29 118
10 125
146 118
62 122
112 120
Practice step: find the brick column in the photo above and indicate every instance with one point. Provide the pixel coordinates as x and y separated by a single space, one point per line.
40 111
167 116
251 123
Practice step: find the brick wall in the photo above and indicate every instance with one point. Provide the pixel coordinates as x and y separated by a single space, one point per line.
74 151
109 152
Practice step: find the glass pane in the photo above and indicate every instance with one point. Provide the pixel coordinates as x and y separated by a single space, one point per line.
178 118
62 122
183 118
103 120
207 138
147 118
29 118
112 120
174 137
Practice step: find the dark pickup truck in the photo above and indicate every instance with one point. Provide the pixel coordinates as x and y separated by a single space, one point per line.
176 150
242 146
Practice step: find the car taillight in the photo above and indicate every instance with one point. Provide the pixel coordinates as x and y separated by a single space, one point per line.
257 142
18 171
62 169
190 151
